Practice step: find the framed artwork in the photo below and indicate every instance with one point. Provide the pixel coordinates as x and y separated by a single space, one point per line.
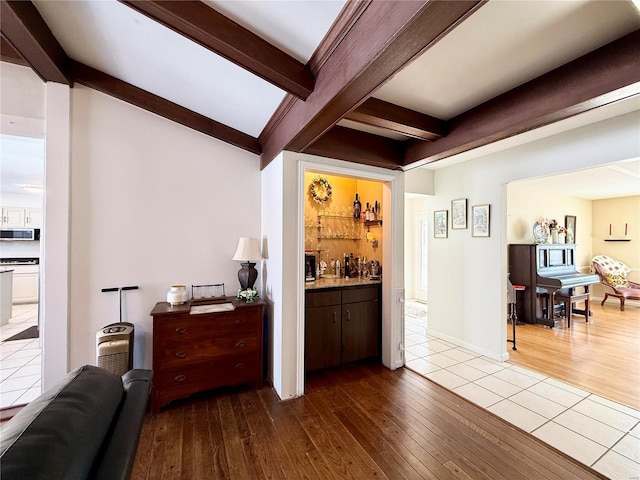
480 220
459 214
440 223
570 225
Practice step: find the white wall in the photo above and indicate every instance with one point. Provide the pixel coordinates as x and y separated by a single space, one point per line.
22 101
54 263
525 204
153 204
467 275
272 189
416 207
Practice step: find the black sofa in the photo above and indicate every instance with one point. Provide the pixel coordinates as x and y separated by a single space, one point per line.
85 427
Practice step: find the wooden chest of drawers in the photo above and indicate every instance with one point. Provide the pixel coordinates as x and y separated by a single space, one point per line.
192 353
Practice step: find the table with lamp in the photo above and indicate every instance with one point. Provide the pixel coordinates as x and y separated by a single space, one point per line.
197 352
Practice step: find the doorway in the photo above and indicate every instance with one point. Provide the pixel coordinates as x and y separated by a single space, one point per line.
21 198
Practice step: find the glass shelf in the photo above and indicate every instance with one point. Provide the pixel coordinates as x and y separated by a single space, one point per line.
341 217
354 239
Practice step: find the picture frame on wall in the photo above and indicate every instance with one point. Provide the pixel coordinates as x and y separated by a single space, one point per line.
570 226
480 220
459 214
440 223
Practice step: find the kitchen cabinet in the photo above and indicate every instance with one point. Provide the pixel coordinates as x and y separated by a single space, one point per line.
32 217
25 283
12 217
323 329
20 217
192 353
342 325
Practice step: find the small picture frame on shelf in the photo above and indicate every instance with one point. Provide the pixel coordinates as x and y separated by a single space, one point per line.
440 224
480 218
570 227
459 214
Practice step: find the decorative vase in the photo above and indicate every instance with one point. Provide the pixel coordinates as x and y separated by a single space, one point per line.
177 295
561 237
554 235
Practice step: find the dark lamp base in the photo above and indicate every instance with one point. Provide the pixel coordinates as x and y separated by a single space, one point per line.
247 275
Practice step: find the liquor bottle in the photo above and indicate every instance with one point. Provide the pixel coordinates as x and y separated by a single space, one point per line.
357 208
376 211
346 266
367 213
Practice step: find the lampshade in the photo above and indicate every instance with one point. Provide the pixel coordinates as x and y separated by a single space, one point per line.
248 249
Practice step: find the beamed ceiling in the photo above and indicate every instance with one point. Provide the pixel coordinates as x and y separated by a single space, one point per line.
395 84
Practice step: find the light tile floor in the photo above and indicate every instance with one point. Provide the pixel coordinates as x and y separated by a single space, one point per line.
594 430
20 368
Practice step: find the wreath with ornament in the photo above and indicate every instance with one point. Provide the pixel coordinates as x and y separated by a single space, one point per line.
320 190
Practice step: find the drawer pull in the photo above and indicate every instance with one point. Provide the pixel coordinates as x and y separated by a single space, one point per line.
240 343
348 314
239 366
181 330
180 378
181 354
241 320
334 317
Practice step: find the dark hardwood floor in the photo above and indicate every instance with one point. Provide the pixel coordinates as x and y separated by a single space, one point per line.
358 422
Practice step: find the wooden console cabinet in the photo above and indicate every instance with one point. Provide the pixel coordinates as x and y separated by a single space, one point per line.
342 325
192 353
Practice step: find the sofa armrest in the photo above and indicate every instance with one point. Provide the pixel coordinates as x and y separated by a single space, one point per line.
59 434
119 450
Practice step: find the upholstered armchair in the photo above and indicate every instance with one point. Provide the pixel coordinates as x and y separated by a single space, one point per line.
613 277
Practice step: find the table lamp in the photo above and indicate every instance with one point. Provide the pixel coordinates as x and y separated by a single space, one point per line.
248 249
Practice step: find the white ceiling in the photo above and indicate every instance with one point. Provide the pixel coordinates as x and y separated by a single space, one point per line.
501 46
620 179
21 163
115 39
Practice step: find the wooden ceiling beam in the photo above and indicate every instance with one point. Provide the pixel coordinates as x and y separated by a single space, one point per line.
606 75
383 40
26 31
378 113
126 92
359 147
9 54
212 30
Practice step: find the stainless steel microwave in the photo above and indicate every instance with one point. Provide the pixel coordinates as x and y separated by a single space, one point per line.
20 234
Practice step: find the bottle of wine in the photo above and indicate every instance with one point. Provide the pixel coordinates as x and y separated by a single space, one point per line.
346 266
357 208
367 213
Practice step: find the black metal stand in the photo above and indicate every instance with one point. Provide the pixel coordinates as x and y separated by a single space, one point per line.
119 290
513 318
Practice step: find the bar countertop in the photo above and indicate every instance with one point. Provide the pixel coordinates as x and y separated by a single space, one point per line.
325 282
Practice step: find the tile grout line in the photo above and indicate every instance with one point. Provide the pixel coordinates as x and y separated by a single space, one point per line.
538 381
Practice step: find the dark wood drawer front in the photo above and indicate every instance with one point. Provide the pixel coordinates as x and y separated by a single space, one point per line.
323 299
212 374
208 348
360 294
189 329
